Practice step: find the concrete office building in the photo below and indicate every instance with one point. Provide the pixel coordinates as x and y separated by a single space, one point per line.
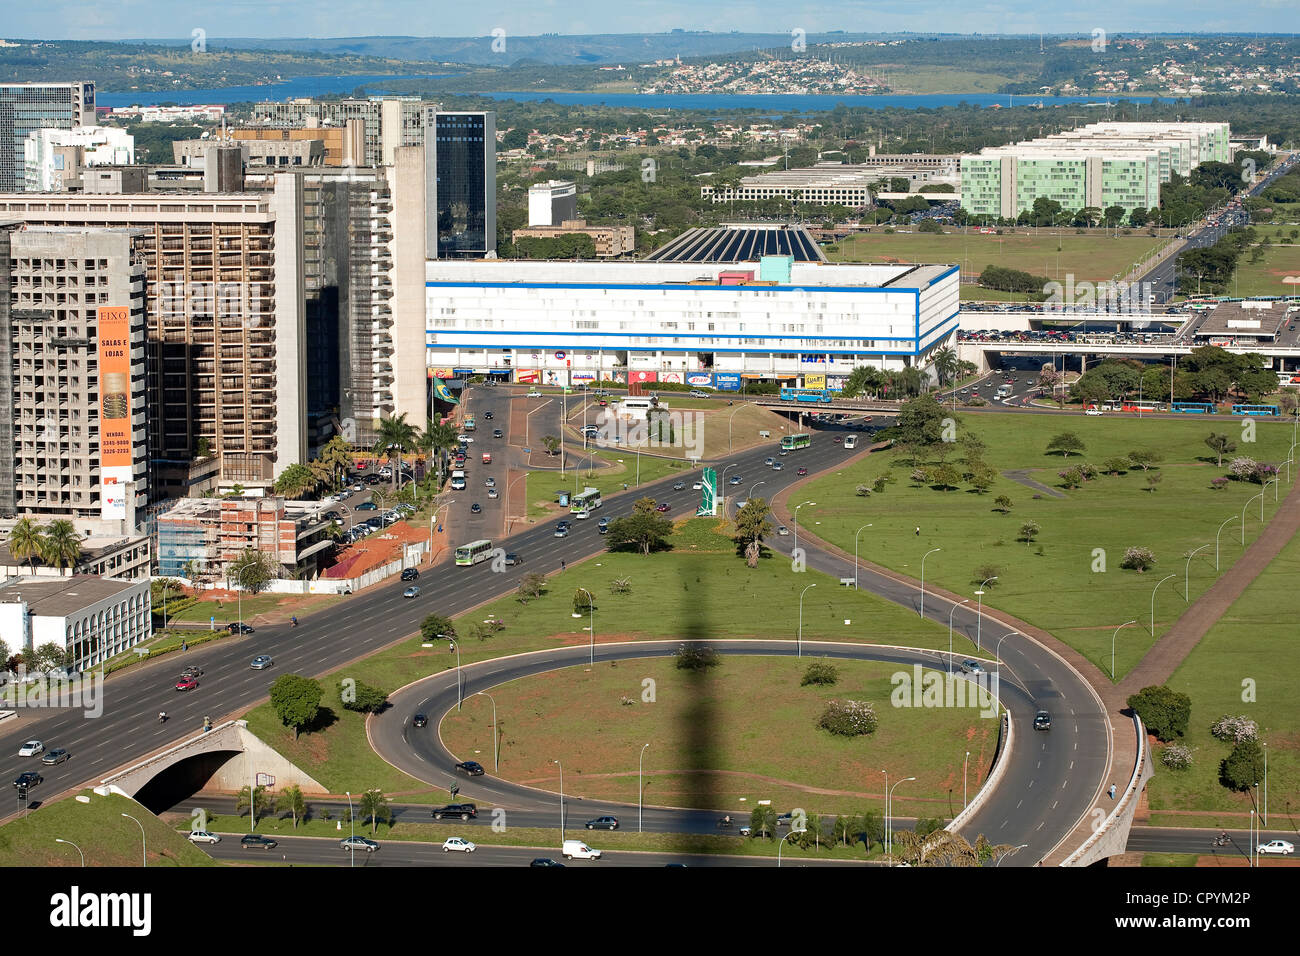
96 618
390 122
107 556
342 145
845 184
73 438
552 203
574 322
208 534
460 184
53 159
268 153
28 107
225 358
610 241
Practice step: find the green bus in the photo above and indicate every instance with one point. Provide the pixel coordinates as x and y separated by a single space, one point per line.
791 442
585 500
474 552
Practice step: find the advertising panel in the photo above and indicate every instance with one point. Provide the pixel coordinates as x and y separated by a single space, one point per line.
699 379
814 381
675 377
584 377
727 381
836 382
528 376
617 377
634 376
115 450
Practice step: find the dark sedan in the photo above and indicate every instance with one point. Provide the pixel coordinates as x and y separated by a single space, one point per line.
471 768
257 842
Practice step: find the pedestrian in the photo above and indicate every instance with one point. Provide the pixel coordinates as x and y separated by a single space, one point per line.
562 564
184 646
1112 791
918 532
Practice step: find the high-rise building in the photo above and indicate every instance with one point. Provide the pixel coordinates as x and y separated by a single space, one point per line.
73 436
225 361
54 158
390 121
552 203
27 107
460 184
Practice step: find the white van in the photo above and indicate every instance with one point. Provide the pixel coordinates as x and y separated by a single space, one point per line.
458 480
577 850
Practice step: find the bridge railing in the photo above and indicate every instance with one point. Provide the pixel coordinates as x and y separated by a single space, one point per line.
1000 762
163 754
1130 796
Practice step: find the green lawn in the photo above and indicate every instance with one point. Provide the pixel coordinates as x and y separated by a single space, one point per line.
596 722
99 829
623 467
1265 277
1249 653
1052 583
1169 859
228 611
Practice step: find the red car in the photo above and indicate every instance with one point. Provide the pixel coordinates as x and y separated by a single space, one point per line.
186 683
662 508
837 439
802 472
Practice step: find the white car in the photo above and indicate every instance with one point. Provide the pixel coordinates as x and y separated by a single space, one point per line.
534 393
1093 411
465 439
492 493
1281 847
460 844
698 486
33 748
203 836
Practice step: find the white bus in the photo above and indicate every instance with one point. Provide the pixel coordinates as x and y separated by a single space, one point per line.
585 501
458 480
850 441
474 552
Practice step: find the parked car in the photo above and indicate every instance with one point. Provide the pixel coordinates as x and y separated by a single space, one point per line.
354 843
603 823
1042 720
465 811
32 748
203 836
257 842
459 844
471 768
57 755
411 592
261 662
410 574
1093 411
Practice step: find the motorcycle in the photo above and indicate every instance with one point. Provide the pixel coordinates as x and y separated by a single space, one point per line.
1222 841
162 717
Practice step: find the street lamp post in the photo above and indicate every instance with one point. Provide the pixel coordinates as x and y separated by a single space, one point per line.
997 657
801 594
352 819
923 557
950 614
729 418
433 517
964 765
796 521
781 845
591 624
496 753
460 693
640 764
753 486
1274 482
884 847
561 766
144 848
1011 852
75 847
1216 542
722 486
1112 644
1153 603
1243 516
889 830
1264 746
1187 571
979 610
855 553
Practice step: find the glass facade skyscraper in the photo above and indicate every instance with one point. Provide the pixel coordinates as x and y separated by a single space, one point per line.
460 184
27 107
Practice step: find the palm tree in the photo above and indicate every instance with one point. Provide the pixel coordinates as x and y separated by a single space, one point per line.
337 456
435 439
27 542
296 481
62 544
945 364
396 435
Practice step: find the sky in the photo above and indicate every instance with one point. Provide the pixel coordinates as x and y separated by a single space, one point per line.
119 19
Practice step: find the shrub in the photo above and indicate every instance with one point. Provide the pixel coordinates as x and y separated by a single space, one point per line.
1263 472
1243 468
1244 767
1002 503
1115 465
984 572
1235 729
1176 757
1164 711
1138 559
1218 484
863 491
696 657
1073 477
848 718
620 586
1153 480
1089 472
1029 531
820 672
879 484
921 476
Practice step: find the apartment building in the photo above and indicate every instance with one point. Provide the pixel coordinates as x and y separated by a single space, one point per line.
552 203
225 362
53 159
389 122
342 145
28 107
203 536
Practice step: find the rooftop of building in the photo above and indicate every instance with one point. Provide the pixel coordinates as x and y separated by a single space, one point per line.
739 244
1261 319
59 597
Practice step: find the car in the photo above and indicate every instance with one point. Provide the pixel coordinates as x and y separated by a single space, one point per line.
1093 411
603 823
373 479
411 592
498 433
1279 847
696 393
487 416
410 574
782 530
258 842
459 844
261 662
240 628
466 811
32 748
534 393
475 508
697 486
192 671
545 861
354 843
801 472
561 530
582 515
465 439
735 480
490 482
663 508
572 849
513 558
603 526
785 819
367 506
679 486
776 465
186 683
55 756
493 493
471 768
837 439
769 461
971 667
203 836
1042 720
28 778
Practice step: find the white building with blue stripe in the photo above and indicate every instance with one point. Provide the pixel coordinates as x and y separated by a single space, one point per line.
700 323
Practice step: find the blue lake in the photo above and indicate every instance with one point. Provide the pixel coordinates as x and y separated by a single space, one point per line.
286 89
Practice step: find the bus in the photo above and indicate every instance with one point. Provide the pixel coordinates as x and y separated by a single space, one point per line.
1193 408
791 442
474 552
1131 405
1256 410
585 500
822 395
850 441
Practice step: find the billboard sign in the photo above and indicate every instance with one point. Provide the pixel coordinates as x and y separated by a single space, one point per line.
116 458
726 381
814 381
583 377
675 377
700 379
643 376
528 376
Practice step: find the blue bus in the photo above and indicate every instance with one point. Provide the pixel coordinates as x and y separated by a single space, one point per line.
1193 408
806 395
1256 410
